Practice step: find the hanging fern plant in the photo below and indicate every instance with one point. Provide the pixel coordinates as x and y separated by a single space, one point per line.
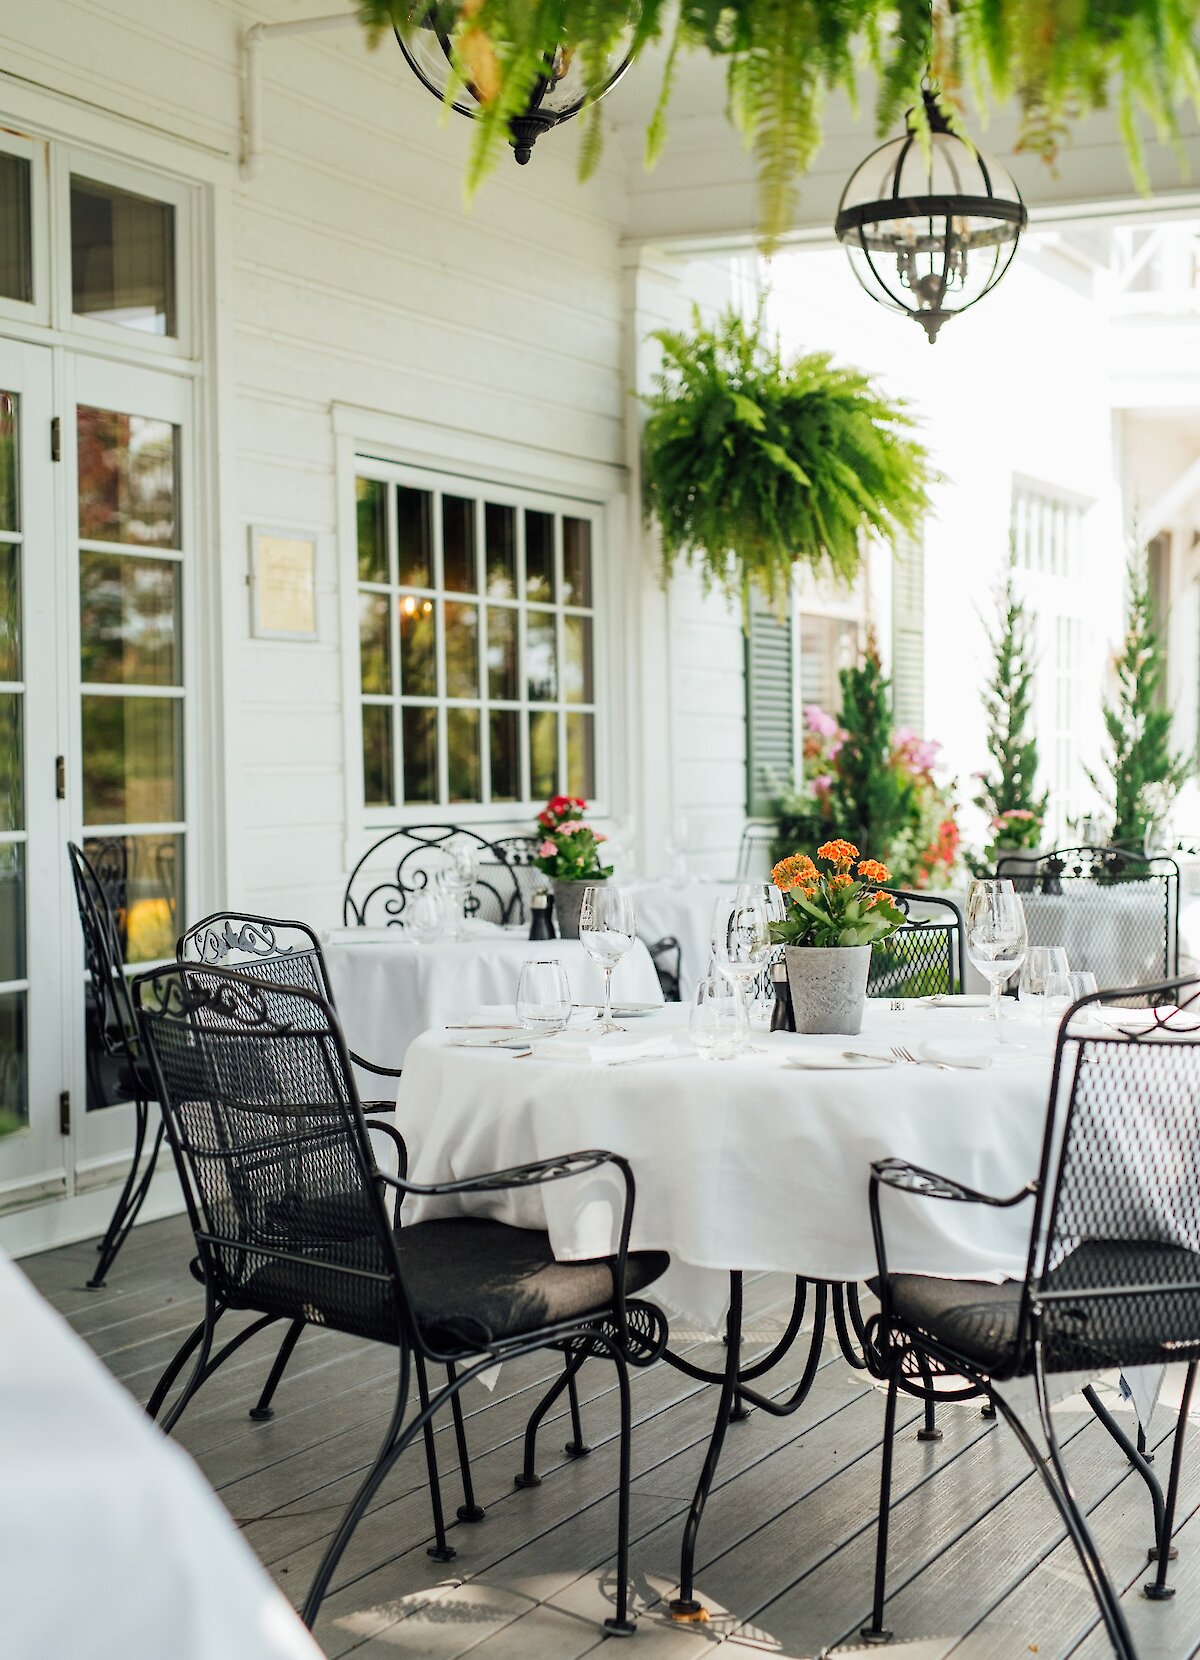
750 463
1059 58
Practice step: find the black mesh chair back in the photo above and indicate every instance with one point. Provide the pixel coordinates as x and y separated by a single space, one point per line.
1115 911
755 861
405 863
516 854
924 958
272 1150
1114 1275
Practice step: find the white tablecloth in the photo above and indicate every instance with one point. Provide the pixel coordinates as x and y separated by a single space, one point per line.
388 990
748 1164
682 910
112 1545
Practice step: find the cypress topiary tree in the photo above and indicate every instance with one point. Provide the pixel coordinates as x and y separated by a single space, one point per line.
872 798
1145 772
1016 812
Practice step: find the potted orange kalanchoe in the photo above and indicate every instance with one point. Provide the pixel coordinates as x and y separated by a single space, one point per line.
833 919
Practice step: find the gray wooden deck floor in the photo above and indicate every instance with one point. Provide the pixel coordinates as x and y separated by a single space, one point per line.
979 1568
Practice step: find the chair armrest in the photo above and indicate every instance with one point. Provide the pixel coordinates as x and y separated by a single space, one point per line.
371 1066
927 1184
377 1108
393 1135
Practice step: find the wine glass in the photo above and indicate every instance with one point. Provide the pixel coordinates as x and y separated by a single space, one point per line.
715 1020
741 944
762 1002
425 918
457 874
543 997
996 936
607 930
1045 980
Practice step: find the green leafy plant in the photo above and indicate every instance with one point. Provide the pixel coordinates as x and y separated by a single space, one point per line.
570 848
1016 812
833 906
870 797
1145 772
750 463
1059 58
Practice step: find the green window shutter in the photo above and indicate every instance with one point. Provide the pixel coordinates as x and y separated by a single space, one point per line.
770 711
908 635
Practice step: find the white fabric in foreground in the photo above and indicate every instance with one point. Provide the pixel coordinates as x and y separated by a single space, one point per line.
112 1545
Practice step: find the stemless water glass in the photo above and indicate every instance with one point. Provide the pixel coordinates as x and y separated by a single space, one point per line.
715 1021
457 874
1045 980
424 917
996 936
606 932
543 997
741 943
762 998
1083 984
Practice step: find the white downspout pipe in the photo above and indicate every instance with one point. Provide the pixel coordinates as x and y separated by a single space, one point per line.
252 44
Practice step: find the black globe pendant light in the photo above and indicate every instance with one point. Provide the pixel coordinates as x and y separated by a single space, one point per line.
930 230
562 90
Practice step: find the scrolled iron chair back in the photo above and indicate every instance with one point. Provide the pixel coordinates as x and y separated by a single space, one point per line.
267 948
925 957
116 1030
382 895
517 854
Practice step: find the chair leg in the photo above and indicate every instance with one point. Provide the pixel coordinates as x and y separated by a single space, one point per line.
620 1624
468 1510
1136 1454
439 1550
576 1447
212 1314
875 1632
528 1476
929 1430
264 1409
130 1199
163 1387
1157 1589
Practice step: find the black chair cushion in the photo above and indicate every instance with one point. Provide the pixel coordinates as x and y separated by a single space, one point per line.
1127 1326
472 1281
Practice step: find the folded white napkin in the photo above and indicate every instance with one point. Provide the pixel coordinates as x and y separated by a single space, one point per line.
494 1014
607 1050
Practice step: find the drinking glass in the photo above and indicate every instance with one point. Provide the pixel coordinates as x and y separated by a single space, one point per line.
1083 984
741 943
762 992
543 997
715 1021
457 874
996 935
607 930
425 918
1045 980
1091 832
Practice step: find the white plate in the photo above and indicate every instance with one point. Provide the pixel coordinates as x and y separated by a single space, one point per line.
836 1060
957 1000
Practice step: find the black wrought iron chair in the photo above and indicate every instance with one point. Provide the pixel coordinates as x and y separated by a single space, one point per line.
1113 1270
116 1066
287 1206
1143 948
667 956
516 853
109 859
378 890
925 958
755 862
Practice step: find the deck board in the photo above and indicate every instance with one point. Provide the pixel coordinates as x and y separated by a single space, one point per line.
979 1567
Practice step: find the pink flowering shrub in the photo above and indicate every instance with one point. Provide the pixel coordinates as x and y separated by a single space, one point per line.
570 847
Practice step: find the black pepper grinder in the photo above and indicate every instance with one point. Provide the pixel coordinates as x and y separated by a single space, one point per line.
783 1017
541 917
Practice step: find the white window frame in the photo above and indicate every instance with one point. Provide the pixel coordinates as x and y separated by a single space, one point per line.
832 601
176 193
495 470
34 151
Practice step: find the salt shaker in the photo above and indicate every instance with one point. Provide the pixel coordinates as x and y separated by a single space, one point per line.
541 917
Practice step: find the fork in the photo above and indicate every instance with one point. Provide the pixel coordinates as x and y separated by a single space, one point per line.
906 1058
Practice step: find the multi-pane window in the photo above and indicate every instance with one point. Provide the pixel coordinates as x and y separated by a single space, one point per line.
477 649
14 983
122 257
1047 531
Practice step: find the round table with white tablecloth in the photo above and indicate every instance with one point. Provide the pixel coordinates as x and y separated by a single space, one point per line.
389 990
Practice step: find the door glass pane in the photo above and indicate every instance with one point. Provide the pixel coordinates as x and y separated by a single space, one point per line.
132 748
12 911
141 877
458 545
379 769
414 536
12 808
420 754
122 257
541 662
10 506
462 741
539 555
375 642
543 754
577 562
581 760
502 653
14 1107
372 530
500 532
129 619
10 612
418 647
127 479
505 725
577 655
462 650
16 229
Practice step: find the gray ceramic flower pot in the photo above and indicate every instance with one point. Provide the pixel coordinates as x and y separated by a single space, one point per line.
568 901
829 986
